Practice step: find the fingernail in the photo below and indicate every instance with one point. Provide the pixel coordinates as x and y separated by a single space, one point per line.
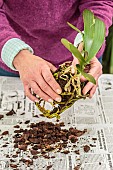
36 101
58 91
50 100
58 99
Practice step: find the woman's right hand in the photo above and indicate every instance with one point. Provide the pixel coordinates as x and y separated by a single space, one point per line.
35 73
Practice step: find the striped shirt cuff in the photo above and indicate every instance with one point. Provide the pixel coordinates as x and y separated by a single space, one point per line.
11 48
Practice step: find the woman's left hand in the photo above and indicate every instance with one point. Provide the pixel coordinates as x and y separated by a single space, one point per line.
95 70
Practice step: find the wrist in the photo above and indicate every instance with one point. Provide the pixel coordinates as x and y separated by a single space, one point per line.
20 58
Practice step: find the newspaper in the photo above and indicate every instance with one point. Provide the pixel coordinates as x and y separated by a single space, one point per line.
95 115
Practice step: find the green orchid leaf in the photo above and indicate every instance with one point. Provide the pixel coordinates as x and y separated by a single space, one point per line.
93 37
86 75
66 43
98 38
77 54
73 50
89 28
75 28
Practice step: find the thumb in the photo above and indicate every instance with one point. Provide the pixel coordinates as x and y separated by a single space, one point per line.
80 47
74 62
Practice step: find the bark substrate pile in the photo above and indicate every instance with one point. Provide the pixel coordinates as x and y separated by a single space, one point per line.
44 137
39 139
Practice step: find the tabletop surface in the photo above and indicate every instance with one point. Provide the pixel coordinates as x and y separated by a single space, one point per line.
95 115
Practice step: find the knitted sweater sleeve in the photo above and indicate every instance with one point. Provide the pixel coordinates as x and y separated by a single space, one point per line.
10 41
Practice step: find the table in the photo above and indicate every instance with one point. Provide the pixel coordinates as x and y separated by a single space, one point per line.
95 115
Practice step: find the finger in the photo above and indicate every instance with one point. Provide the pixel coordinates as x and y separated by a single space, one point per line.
75 61
95 72
80 47
92 91
36 89
29 94
48 77
72 69
89 86
82 79
44 86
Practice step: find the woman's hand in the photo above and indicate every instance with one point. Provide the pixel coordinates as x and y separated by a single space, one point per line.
95 70
35 73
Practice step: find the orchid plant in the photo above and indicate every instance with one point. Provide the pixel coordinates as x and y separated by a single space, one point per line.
93 38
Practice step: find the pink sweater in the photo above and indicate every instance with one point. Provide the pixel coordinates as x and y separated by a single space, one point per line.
41 24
